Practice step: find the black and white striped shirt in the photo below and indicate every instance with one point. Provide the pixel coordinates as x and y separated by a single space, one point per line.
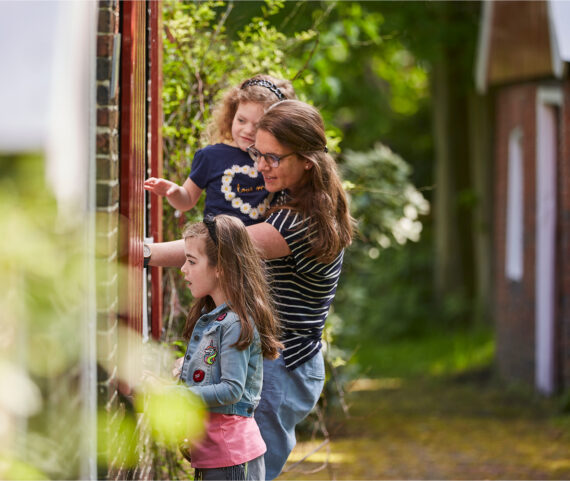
303 289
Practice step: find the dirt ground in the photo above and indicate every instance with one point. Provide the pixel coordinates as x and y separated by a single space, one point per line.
469 427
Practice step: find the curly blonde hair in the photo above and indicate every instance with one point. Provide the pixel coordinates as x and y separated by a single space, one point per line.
250 90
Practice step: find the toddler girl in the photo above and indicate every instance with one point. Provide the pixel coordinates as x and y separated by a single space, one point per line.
225 170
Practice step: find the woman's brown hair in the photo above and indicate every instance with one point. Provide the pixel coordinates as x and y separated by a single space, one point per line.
320 195
262 89
243 280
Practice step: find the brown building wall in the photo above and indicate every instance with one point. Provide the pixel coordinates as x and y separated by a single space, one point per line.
514 301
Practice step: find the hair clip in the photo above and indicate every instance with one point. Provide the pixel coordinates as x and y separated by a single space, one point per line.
265 83
326 150
210 223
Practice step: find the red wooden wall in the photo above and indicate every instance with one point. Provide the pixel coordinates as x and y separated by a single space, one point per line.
141 154
155 154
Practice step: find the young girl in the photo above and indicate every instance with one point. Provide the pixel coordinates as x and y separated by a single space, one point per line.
225 170
230 328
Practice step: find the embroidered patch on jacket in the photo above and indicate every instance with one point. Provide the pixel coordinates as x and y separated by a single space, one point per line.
198 375
221 317
210 354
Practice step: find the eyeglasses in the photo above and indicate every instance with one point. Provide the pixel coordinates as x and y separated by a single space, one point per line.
272 159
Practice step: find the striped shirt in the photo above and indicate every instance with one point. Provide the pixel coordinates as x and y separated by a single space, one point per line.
303 289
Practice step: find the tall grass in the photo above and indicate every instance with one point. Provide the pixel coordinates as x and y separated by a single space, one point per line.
436 354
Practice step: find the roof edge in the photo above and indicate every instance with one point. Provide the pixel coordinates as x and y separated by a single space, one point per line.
483 45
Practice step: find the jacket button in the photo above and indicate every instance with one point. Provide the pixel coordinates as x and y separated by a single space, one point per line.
187 358
196 337
249 410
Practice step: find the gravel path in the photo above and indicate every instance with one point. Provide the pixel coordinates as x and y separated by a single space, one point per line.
463 428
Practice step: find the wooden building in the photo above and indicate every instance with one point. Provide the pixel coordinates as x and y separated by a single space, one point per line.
522 63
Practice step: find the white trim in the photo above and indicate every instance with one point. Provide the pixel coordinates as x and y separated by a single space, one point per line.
27 50
550 95
547 99
559 19
514 238
146 325
557 62
483 47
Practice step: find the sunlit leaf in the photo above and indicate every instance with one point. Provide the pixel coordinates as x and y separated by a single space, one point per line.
173 413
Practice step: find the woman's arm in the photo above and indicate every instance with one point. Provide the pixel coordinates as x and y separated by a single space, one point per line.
264 236
167 254
268 240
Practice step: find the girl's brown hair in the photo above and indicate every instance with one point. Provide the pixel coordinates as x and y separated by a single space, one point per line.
250 90
320 196
243 280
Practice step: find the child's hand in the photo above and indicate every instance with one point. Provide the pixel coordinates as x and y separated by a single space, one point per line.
177 367
161 187
182 198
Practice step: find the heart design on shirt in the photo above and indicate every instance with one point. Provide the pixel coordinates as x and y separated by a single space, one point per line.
237 203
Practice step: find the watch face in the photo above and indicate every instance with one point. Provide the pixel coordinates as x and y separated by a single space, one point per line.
146 250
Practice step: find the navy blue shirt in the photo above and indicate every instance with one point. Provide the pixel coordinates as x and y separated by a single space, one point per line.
232 183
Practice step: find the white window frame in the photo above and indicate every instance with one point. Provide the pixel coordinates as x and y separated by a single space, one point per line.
548 99
514 238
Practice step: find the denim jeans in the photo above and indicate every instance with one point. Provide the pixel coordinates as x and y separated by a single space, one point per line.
287 398
253 470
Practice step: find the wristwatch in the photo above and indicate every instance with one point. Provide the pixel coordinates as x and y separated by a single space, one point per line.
146 254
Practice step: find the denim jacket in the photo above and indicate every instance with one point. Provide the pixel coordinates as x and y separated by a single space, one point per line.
228 380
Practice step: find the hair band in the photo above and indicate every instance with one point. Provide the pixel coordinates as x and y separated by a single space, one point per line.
210 223
267 84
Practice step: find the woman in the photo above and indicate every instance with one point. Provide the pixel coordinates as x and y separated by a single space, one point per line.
302 240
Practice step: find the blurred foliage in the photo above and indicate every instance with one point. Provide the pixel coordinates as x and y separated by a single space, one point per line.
41 299
44 315
174 414
387 205
435 354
